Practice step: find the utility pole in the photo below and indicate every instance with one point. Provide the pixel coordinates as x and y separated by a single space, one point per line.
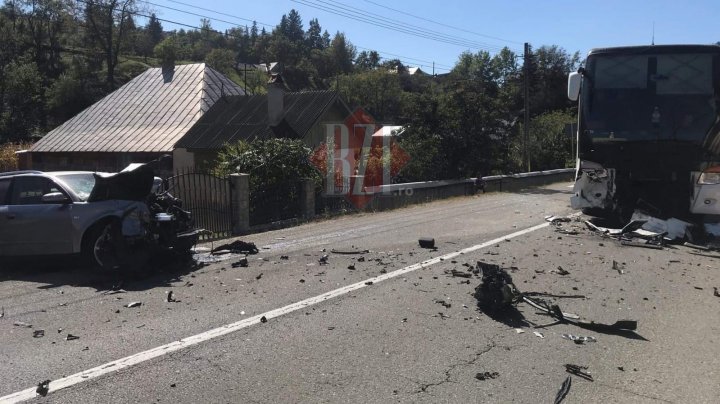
526 90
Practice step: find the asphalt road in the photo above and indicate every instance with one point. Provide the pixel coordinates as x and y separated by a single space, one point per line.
414 335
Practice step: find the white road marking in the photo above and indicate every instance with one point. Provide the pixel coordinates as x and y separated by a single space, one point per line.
140 357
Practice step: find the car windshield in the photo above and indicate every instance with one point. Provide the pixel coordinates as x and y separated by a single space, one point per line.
80 183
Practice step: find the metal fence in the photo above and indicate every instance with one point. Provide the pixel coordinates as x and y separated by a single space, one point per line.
275 203
208 197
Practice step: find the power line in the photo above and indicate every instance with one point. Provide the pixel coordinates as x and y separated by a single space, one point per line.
220 13
355 14
443 24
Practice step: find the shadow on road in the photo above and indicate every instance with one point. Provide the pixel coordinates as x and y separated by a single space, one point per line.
54 272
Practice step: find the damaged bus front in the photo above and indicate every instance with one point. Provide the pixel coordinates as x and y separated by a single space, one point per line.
648 130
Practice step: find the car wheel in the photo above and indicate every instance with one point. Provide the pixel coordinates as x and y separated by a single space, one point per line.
101 246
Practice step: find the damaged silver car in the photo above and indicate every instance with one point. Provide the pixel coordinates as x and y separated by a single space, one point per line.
114 220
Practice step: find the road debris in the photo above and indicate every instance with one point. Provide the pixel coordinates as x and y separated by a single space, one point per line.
561 271
539 334
715 291
616 267
557 220
242 262
564 390
263 319
351 267
427 242
71 337
285 257
496 290
237 246
519 331
323 260
22 324
349 251
461 274
169 297
38 333
43 388
2 312
486 375
445 304
578 339
579 371
259 276
133 304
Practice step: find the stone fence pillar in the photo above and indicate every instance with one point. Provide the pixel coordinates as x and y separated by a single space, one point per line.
240 184
307 199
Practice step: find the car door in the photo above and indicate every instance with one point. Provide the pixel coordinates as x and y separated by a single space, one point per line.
5 235
34 227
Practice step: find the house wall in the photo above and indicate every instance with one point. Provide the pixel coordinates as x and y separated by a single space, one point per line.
183 159
335 114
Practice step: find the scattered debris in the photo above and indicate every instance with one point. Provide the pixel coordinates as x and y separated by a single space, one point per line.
427 242
445 304
2 312
638 244
461 274
22 324
259 276
557 220
579 371
71 337
578 339
361 259
43 387
519 331
715 291
486 375
323 260
369 283
561 271
496 290
237 246
616 267
564 390
351 267
284 257
242 262
349 251
169 297
539 334
263 319
38 333
133 304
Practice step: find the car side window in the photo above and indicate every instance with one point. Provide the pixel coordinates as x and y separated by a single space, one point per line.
4 186
29 190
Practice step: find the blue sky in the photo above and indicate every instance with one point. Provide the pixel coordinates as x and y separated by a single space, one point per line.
479 25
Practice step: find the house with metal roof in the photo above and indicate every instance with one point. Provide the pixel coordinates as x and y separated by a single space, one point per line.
138 122
296 115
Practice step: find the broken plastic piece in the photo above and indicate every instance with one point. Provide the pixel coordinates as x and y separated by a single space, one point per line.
564 390
133 304
349 251
578 339
242 262
486 375
43 387
22 324
323 260
539 335
238 246
38 333
71 337
579 371
427 242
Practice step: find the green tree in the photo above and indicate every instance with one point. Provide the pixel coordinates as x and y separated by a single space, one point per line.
109 25
549 144
367 60
167 51
342 54
222 60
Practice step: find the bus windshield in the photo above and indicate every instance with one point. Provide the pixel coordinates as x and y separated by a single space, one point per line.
650 96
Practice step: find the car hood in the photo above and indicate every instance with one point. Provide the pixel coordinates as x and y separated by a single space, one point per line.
134 185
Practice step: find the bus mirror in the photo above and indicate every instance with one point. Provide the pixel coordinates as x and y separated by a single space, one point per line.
574 81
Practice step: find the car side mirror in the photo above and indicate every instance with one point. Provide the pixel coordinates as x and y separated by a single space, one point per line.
574 82
55 197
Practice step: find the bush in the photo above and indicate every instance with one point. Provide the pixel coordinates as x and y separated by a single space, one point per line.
8 158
